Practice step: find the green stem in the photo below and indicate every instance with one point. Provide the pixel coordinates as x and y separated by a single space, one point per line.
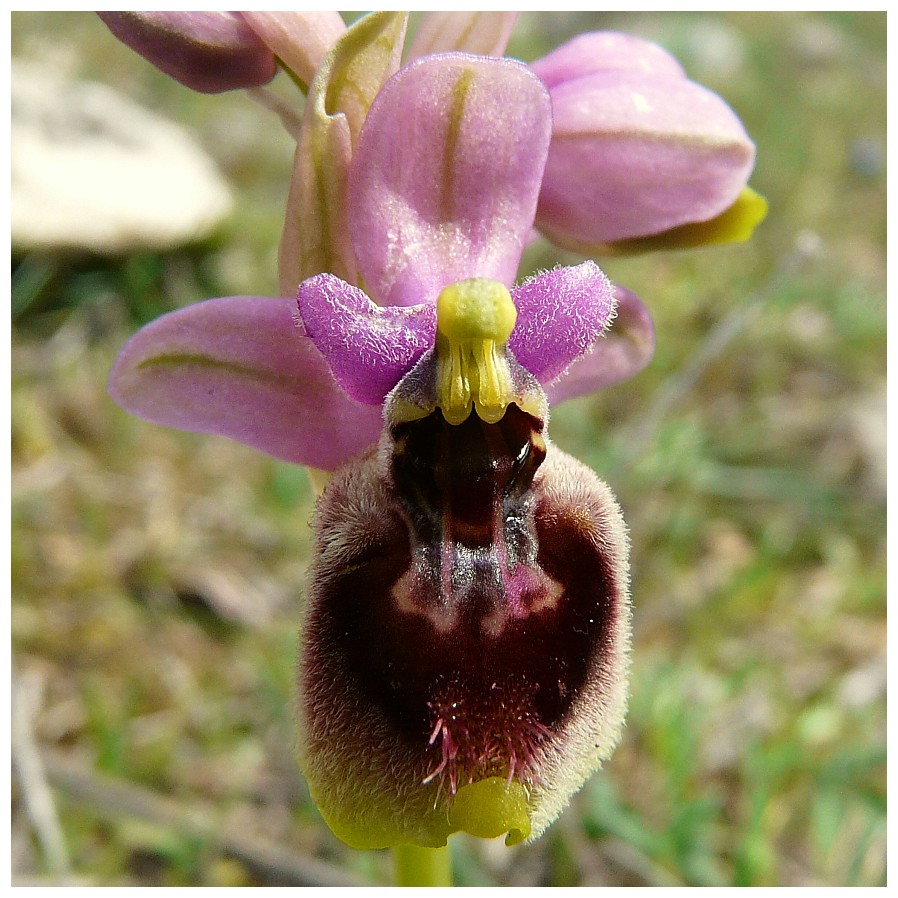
414 866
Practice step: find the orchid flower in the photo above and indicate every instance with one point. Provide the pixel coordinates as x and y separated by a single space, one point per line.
470 578
466 627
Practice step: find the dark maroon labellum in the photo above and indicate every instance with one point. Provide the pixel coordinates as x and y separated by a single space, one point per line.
471 625
467 618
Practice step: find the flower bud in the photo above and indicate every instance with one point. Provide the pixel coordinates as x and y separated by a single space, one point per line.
464 646
637 148
207 51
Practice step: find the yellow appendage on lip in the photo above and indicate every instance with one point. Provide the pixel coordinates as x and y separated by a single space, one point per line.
491 808
475 318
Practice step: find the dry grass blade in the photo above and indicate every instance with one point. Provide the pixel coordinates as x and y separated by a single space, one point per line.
32 776
114 799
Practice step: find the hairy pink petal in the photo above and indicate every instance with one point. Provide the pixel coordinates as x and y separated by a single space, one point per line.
618 355
240 367
368 347
561 314
445 177
206 51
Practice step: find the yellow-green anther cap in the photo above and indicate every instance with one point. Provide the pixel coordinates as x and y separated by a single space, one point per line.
475 318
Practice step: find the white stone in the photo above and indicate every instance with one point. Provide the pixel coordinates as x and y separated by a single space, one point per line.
91 170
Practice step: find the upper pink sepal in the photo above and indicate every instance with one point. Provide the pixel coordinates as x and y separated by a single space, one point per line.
446 175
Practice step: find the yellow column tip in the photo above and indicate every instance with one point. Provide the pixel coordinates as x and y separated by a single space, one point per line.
475 318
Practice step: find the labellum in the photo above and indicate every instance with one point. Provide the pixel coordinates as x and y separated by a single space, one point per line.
466 629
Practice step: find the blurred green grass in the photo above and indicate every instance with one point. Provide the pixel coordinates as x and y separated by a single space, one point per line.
749 459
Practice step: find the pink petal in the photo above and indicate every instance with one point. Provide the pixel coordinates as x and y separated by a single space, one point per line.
368 347
299 39
604 51
240 367
624 351
483 33
561 314
206 51
445 177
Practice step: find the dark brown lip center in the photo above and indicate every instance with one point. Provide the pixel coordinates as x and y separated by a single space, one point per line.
452 479
476 615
